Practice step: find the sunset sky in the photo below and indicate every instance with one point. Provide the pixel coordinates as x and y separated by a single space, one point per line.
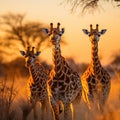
78 44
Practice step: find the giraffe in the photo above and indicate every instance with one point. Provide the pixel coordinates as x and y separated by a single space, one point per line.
95 80
37 83
65 84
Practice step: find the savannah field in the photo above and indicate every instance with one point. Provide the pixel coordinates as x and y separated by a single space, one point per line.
14 103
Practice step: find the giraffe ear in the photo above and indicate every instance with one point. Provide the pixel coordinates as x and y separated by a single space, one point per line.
37 53
22 53
85 31
103 31
45 30
62 31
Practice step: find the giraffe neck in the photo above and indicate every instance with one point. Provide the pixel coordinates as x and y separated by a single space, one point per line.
95 62
57 58
35 72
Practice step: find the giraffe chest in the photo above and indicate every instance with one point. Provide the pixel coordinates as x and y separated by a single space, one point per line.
97 73
37 89
95 80
63 86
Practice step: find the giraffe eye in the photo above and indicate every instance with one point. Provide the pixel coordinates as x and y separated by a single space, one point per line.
25 56
34 56
60 34
89 34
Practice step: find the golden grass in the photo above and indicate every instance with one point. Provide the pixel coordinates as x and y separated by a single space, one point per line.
112 108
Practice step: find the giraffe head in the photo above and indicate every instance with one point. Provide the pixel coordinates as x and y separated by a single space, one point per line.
94 34
30 56
54 33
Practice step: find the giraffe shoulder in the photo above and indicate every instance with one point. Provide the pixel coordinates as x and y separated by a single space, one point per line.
75 75
86 74
106 73
51 75
39 65
42 68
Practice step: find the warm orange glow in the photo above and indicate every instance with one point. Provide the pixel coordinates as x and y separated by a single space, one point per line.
112 108
78 44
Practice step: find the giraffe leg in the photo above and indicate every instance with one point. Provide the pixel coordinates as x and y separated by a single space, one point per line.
92 97
43 111
55 107
33 103
103 98
78 97
35 113
87 97
48 110
67 112
76 103
60 107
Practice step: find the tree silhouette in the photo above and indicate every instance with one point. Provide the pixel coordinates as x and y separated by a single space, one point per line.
88 5
115 63
116 59
17 29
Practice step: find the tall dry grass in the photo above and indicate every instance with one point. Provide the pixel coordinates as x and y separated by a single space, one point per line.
7 96
14 104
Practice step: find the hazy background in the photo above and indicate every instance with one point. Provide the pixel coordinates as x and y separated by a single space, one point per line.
78 45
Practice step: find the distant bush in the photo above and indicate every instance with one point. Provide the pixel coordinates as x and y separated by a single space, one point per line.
7 95
17 65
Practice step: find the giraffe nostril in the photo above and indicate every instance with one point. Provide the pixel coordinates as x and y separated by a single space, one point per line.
53 38
60 34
